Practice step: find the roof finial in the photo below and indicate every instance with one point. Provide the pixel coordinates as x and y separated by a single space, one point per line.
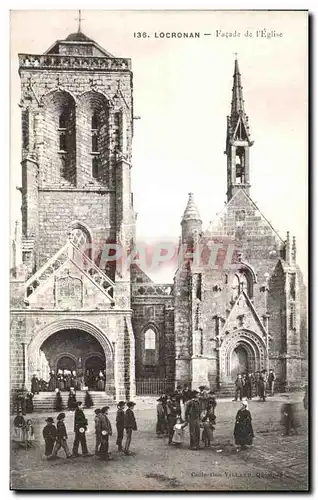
236 54
79 21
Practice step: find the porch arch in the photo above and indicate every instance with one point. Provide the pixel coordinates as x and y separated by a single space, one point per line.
253 344
34 347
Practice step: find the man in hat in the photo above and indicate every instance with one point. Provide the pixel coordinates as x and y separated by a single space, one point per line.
49 435
271 382
61 437
106 431
192 415
80 427
172 411
161 421
262 385
130 425
98 429
203 398
178 398
120 424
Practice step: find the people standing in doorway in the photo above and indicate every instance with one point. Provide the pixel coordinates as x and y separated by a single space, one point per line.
35 384
192 414
271 382
61 437
120 424
52 382
130 425
238 388
101 382
49 434
243 430
80 427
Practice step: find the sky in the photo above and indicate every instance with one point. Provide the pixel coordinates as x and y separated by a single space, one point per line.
182 94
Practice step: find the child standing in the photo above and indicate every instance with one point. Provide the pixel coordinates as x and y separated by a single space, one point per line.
61 437
130 425
178 431
120 424
207 433
49 434
29 434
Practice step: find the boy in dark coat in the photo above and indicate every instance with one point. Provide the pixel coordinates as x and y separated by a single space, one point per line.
49 434
172 411
120 424
80 427
71 403
130 425
271 382
58 403
61 437
106 431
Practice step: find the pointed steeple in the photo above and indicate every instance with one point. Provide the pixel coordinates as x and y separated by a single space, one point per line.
191 212
237 104
238 140
191 222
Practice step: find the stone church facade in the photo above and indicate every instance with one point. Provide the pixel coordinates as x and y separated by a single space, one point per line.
70 308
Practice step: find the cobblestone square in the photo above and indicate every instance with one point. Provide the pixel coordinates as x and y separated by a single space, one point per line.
274 462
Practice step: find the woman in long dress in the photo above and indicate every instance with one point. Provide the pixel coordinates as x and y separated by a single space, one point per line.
19 428
243 430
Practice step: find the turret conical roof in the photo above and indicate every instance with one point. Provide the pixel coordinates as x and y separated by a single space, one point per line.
191 212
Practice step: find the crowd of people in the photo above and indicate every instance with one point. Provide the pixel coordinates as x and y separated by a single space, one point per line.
63 380
259 385
55 436
196 410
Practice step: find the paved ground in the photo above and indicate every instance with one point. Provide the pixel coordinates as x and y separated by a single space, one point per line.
273 462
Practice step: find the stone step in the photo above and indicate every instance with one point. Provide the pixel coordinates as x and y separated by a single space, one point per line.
45 400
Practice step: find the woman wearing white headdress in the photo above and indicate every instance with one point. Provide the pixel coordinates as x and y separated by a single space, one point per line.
243 430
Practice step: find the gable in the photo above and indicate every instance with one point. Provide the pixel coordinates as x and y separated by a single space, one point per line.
243 316
242 221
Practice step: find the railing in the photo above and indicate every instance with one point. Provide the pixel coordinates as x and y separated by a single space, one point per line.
153 386
81 261
46 61
152 289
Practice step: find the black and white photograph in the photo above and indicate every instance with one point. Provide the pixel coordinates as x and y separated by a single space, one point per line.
159 250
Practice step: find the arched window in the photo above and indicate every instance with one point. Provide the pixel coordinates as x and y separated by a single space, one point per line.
81 239
62 130
95 133
150 355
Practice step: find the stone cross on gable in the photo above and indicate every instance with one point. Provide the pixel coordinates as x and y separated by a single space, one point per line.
79 19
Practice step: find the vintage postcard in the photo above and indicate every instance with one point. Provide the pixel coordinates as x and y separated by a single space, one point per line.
159 175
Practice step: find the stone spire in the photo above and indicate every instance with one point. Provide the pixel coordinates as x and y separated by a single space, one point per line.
238 140
191 212
294 249
191 222
237 104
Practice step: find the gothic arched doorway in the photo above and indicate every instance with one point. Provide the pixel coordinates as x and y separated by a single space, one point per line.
239 361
